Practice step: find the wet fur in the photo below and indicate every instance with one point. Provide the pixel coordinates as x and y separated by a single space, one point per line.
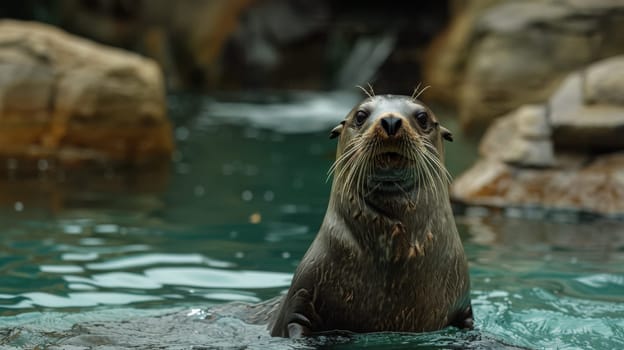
387 257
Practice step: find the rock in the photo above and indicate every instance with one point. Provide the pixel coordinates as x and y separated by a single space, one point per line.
69 100
518 166
587 112
522 138
532 122
210 43
273 44
596 187
445 59
518 52
604 82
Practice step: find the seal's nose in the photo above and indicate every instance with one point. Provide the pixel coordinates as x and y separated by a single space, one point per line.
391 125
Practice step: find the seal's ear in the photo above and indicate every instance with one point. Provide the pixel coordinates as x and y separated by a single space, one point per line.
337 130
446 133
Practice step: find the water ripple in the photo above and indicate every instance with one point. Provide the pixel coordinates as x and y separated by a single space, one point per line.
155 259
116 280
77 299
215 278
602 280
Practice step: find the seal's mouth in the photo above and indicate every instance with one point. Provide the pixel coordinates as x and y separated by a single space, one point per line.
393 156
392 180
391 167
391 160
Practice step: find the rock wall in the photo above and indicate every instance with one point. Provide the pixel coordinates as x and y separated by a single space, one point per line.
274 44
68 101
498 55
565 154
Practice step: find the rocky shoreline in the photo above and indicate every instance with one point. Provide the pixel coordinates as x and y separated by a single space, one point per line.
566 154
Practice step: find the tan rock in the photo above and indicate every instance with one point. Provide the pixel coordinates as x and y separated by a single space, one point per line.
532 122
522 137
72 100
596 186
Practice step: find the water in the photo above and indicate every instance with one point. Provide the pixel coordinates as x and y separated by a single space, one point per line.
152 259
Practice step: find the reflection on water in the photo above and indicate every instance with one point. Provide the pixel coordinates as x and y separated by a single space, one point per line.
229 221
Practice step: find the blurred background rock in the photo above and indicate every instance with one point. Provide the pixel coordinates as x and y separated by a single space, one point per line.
243 44
485 58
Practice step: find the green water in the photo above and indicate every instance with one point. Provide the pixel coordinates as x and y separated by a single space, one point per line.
229 221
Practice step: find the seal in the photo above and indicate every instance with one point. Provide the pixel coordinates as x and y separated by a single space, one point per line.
388 256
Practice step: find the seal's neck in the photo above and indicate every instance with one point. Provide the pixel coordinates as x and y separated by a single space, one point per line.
394 228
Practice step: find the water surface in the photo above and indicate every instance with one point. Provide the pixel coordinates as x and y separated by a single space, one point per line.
151 258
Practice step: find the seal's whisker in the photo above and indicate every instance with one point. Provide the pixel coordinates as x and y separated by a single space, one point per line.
351 148
341 161
435 157
344 175
434 166
437 163
407 196
430 168
372 190
366 170
365 91
425 168
409 149
354 168
424 186
371 89
421 91
414 97
347 172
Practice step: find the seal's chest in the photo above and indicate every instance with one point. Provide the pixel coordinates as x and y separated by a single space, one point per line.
377 307
390 295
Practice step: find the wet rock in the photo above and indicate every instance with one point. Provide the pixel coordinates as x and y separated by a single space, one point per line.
546 156
69 101
588 184
519 52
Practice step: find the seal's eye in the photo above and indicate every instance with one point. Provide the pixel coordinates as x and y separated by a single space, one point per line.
423 120
360 117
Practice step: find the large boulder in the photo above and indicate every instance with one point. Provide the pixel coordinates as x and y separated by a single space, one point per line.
517 52
68 100
566 154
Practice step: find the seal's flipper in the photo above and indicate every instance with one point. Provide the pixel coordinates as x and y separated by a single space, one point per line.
298 316
303 319
464 319
297 329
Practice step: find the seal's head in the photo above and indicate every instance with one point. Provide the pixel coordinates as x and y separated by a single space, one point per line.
390 145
